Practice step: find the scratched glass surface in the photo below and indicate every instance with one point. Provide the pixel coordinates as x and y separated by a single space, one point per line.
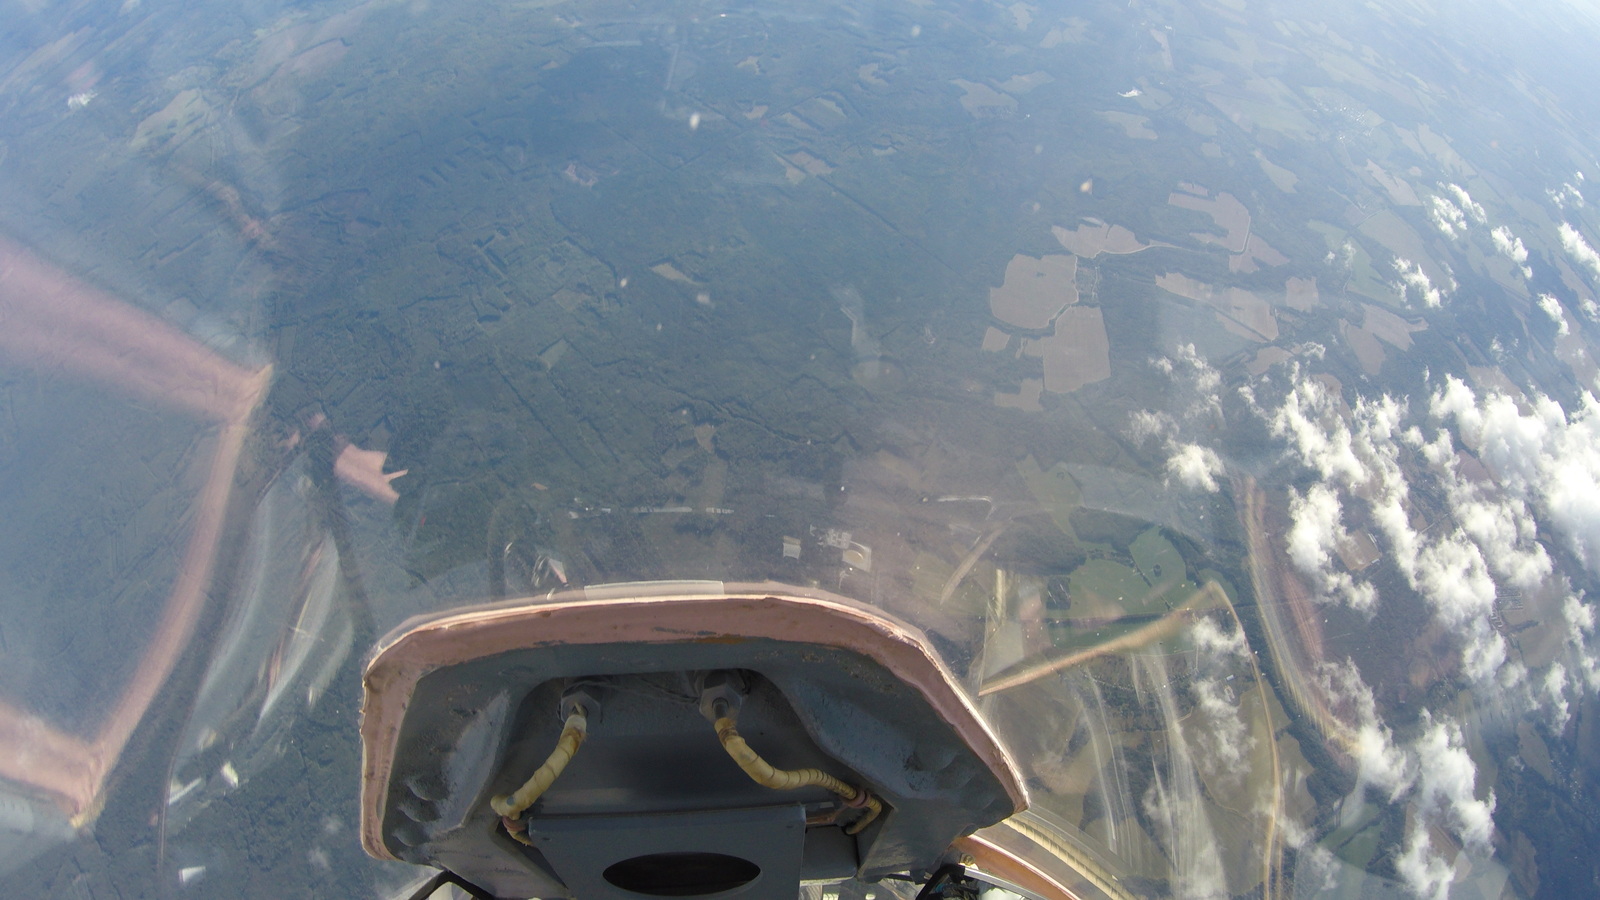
1212 382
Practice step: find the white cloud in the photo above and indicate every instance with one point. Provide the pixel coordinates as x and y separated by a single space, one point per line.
1572 241
1544 456
1446 796
1423 869
1199 383
1453 576
1511 247
1197 396
1211 640
1315 537
1316 869
1358 450
1579 614
1205 380
1415 282
1379 763
1554 687
1144 425
1195 467
1467 204
1434 774
1509 244
1224 735
1568 195
1317 528
1544 465
1310 418
1544 475
1552 308
1580 620
1456 577
1448 783
1502 526
1544 468
1447 217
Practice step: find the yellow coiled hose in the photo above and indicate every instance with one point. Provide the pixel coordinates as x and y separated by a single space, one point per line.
764 774
572 735
511 807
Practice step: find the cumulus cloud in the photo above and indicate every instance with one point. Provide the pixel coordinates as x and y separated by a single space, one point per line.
1423 868
1467 204
1379 762
1195 373
1317 528
1144 425
1584 255
1448 782
1433 773
1316 869
1447 217
1195 467
1344 258
1552 308
1446 795
1554 688
1314 538
1510 246
1503 526
1566 195
1543 456
1355 449
1310 418
1180 824
1211 640
1547 468
1451 209
1579 617
1414 283
1197 398
1453 576
1357 452
1224 735
1223 732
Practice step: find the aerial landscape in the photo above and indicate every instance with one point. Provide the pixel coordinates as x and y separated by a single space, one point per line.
1211 382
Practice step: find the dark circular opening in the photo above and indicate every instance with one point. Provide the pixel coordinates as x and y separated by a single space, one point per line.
682 874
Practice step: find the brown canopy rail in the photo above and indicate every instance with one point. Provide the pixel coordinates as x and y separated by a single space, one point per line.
565 746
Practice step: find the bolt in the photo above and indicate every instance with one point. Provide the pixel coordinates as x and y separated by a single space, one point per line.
721 694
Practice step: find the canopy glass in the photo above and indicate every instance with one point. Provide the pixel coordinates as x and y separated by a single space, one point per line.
1210 382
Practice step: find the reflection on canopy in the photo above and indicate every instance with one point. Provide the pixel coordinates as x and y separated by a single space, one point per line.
55 324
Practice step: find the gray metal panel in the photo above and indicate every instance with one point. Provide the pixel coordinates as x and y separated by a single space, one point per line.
479 728
582 847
